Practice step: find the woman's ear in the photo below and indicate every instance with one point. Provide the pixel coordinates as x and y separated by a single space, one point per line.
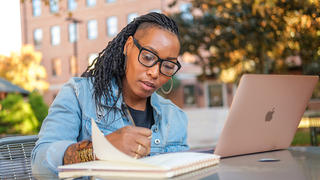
127 45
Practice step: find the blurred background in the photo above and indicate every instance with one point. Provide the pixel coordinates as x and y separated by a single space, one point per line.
46 42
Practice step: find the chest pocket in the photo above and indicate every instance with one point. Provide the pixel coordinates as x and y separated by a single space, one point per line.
108 121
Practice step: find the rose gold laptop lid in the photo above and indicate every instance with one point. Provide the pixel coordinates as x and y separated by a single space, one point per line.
265 113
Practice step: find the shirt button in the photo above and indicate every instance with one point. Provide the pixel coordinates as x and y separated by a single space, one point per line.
155 130
157 141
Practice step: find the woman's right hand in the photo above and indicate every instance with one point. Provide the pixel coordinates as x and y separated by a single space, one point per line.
131 140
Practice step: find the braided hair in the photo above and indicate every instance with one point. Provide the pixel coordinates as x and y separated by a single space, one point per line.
109 65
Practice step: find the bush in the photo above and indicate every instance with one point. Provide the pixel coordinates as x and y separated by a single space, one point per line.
302 138
17 116
39 107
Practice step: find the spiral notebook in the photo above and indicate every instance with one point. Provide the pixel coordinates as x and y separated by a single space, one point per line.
114 163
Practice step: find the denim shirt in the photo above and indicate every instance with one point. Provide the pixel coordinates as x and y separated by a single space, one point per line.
69 121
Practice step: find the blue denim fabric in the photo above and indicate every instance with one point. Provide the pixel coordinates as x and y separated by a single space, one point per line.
69 117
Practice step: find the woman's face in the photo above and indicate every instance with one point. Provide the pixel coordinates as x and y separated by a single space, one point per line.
141 81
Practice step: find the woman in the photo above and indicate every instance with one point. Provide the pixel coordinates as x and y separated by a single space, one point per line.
118 92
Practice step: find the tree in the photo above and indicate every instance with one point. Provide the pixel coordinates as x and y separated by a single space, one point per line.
231 37
24 69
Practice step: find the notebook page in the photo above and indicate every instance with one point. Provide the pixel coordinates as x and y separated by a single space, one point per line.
104 150
179 159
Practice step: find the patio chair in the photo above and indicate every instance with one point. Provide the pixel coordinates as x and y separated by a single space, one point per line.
15 153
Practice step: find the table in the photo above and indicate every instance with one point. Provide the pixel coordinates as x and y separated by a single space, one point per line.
296 163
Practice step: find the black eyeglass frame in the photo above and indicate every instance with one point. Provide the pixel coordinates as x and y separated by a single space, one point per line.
159 59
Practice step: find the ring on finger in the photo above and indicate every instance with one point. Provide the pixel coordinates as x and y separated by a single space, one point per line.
139 147
136 156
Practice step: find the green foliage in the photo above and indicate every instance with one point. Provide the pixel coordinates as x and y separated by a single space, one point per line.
302 138
20 116
252 36
39 107
16 116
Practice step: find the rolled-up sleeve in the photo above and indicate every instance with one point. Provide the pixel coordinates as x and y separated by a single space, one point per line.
59 130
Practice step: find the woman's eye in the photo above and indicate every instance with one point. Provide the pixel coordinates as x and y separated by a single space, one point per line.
167 66
148 57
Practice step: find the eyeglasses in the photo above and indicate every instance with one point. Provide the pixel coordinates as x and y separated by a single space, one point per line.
148 58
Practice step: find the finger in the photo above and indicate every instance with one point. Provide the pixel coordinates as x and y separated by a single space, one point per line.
141 150
138 149
137 156
142 131
134 155
145 142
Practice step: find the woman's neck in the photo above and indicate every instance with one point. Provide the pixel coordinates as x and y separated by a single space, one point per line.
132 100
134 103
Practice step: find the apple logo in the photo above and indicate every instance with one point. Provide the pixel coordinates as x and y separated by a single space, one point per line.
269 115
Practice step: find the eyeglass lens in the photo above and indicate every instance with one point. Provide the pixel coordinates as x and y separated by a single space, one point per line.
149 59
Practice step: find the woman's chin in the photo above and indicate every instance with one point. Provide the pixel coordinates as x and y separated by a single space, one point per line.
145 94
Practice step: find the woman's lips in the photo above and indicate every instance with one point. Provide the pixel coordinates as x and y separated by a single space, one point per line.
148 86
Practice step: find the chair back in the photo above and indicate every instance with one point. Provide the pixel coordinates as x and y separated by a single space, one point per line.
15 153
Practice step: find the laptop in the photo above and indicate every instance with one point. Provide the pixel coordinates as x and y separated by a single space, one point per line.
265 113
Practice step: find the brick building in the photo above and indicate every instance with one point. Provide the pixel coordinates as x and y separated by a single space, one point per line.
60 39
92 25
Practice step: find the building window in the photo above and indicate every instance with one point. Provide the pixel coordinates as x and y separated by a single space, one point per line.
36 7
92 29
73 66
54 6
37 37
91 3
131 17
215 95
72 5
56 67
112 26
189 95
55 35
73 36
110 1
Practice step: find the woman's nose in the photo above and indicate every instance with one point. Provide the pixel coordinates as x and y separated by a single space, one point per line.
154 71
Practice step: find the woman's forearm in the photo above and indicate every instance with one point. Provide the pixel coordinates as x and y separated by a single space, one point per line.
78 152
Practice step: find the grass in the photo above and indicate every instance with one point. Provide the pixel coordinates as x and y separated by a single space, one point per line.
302 138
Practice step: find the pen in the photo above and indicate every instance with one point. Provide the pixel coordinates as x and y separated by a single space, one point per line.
130 117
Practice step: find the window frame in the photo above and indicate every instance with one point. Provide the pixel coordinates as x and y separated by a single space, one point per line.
91 3
35 40
36 8
73 32
72 5
52 35
194 103
54 6
109 31
89 29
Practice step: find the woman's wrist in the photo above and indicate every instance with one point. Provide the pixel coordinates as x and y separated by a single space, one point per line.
79 152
